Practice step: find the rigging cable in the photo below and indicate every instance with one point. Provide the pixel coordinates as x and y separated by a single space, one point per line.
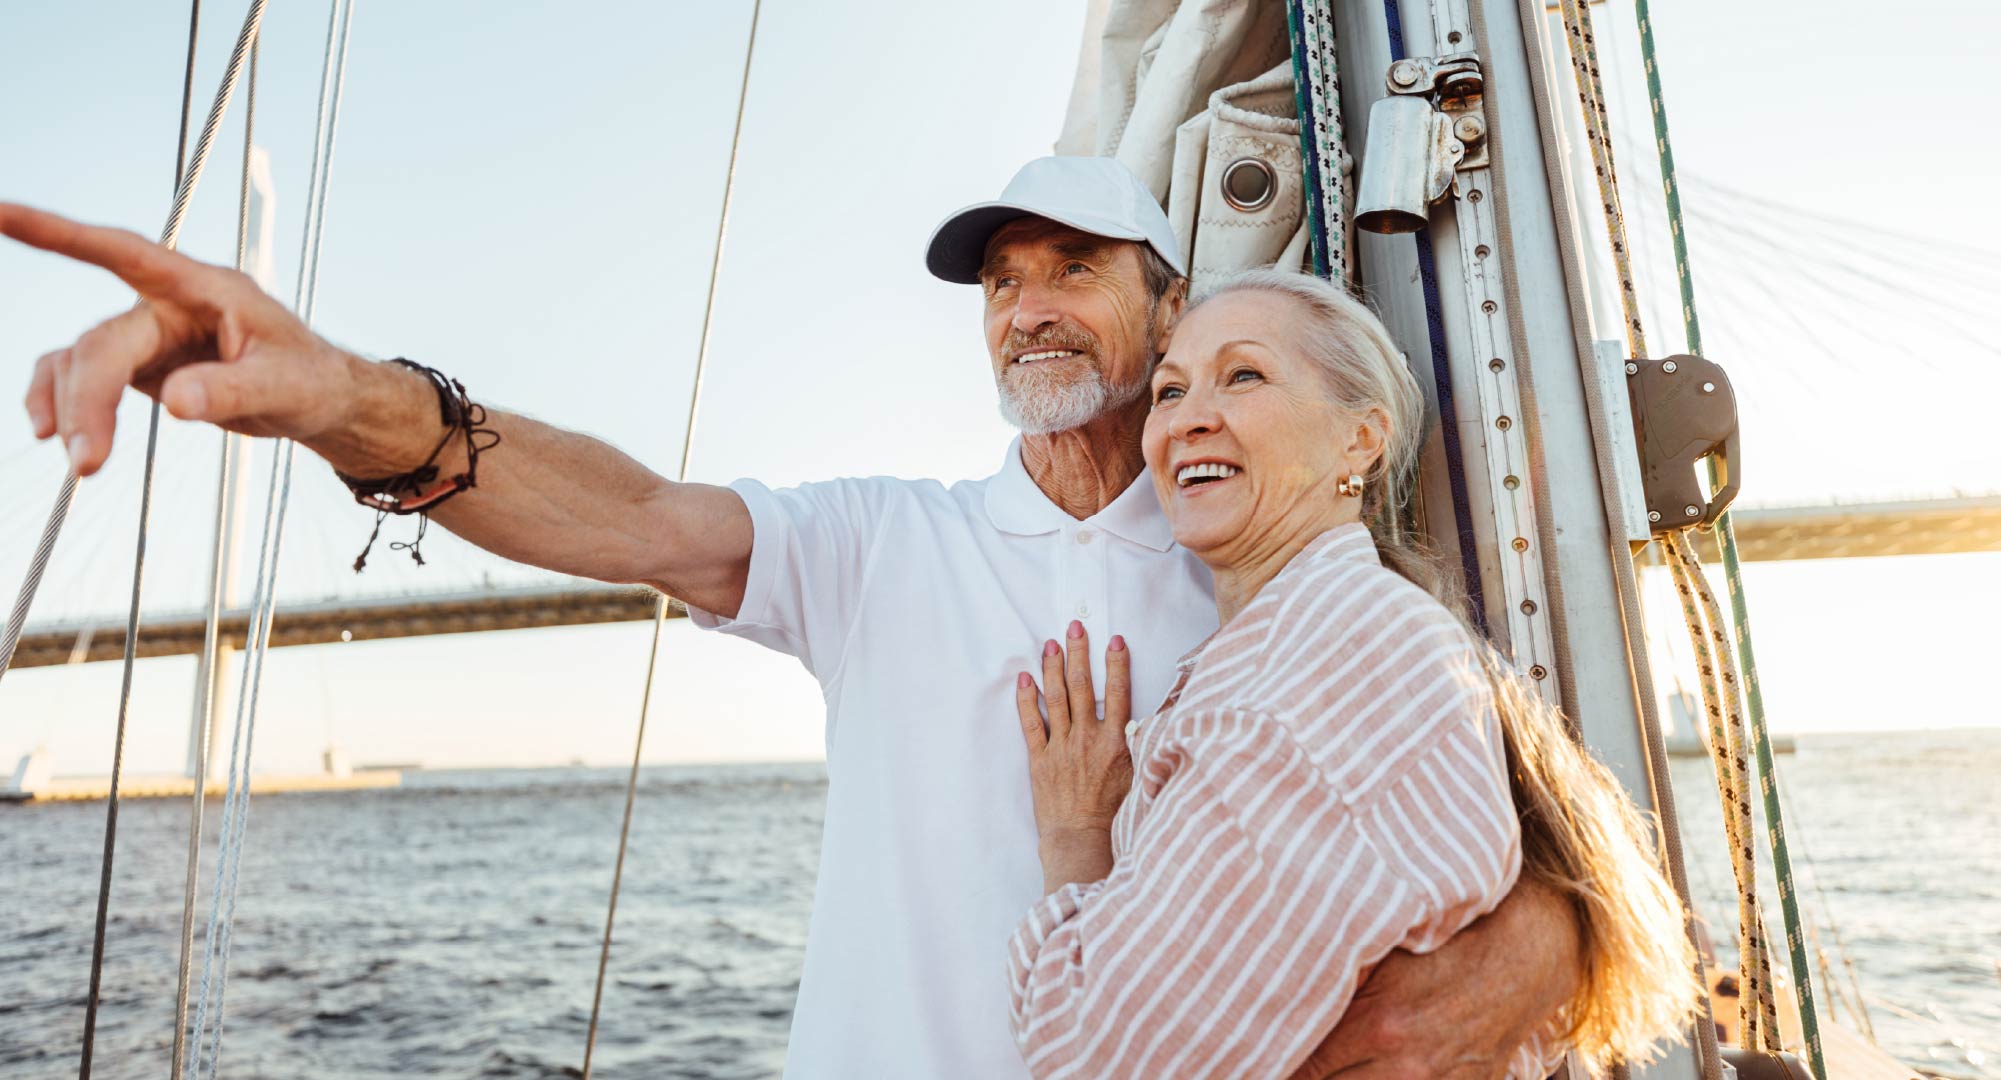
236 799
1726 741
1528 13
1754 959
188 174
1591 94
1726 539
205 680
660 611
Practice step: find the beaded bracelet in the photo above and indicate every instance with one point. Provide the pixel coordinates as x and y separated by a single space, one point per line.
421 489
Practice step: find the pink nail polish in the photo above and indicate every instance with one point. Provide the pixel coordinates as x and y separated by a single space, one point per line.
1076 629
1049 648
1118 643
1021 681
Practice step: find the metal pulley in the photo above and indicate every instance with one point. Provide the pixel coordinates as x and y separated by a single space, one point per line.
1683 412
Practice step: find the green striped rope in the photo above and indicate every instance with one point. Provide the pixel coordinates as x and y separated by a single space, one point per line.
1726 540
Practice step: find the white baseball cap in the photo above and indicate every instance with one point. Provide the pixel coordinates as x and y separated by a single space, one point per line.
1096 195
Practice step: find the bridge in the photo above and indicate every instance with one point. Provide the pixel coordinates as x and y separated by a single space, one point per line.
1764 534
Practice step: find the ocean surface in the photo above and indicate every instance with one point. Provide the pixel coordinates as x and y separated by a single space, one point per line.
450 928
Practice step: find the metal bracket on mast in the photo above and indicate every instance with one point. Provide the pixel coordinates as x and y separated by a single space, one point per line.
1430 128
1454 83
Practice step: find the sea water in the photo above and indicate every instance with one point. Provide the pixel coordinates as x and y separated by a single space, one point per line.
451 927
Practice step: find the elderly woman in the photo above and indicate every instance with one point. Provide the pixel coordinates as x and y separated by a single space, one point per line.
1341 771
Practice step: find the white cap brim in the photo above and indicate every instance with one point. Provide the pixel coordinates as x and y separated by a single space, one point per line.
959 244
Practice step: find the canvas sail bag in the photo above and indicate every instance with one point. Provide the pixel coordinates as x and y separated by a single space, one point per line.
1181 92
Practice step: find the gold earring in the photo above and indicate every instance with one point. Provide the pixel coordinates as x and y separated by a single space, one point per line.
1351 486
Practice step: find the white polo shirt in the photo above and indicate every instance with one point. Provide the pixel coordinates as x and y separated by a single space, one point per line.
915 605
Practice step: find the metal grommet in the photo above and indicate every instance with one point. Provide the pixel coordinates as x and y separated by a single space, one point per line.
1249 184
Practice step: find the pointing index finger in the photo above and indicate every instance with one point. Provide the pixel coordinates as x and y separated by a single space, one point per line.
146 266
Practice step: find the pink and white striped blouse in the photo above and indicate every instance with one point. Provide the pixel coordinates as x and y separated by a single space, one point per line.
1325 784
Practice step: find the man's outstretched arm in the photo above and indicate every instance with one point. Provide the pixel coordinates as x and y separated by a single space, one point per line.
213 347
1460 1012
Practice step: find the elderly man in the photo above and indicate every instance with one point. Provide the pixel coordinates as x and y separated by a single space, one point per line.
913 603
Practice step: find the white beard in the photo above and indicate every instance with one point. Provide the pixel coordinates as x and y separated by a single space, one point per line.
1036 405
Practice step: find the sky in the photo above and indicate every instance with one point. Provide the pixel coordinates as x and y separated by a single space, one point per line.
526 197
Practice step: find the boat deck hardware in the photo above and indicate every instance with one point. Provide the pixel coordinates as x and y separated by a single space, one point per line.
1683 412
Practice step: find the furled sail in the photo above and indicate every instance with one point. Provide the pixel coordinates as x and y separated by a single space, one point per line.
1198 98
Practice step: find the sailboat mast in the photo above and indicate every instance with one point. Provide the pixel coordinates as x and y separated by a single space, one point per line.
1538 450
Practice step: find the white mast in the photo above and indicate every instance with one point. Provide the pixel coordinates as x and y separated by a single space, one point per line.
235 495
1608 678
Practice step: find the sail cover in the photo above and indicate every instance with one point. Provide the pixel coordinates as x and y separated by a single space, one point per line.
1197 97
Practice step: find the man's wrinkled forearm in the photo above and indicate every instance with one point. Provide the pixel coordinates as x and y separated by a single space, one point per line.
1461 1011
1537 929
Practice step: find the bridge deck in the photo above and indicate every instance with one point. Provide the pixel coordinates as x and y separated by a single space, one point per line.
359 620
1763 535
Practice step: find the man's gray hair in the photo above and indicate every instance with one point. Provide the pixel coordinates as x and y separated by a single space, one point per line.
1160 275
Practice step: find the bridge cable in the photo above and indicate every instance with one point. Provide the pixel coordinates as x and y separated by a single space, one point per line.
188 173
236 799
660 611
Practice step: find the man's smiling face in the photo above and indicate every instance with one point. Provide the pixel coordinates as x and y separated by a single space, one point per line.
1069 324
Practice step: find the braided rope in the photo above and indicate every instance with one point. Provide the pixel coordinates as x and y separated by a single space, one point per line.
1727 741
1529 14
1733 575
1316 79
1591 97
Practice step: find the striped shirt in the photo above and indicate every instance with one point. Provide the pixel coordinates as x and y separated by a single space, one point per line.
1324 785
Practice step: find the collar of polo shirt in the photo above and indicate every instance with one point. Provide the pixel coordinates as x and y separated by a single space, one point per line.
1016 505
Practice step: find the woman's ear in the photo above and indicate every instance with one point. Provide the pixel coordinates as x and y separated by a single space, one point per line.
1369 440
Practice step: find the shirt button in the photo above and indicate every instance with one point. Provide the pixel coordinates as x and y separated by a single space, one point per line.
1083 610
1085 536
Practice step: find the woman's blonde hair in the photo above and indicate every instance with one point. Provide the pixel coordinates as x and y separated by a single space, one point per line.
1581 836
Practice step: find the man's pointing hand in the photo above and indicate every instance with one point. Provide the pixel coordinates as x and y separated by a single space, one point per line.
204 340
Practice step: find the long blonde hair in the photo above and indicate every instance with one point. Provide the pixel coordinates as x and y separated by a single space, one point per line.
1581 836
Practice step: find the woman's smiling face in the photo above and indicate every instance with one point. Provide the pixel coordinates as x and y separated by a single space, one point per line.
1244 443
